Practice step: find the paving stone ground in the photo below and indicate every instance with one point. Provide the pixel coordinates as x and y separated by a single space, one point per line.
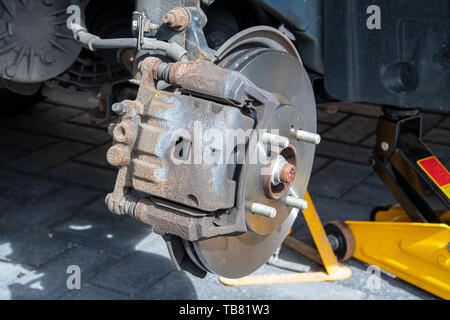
53 179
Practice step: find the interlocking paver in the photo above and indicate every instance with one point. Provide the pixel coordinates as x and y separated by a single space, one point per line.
76 173
374 180
50 281
49 157
337 178
353 129
320 163
347 152
24 140
9 154
28 187
117 239
10 271
29 248
9 204
76 132
445 123
96 156
322 127
438 135
56 207
32 122
370 141
98 211
135 273
370 194
430 121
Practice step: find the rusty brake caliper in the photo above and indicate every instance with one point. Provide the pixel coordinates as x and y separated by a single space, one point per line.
156 144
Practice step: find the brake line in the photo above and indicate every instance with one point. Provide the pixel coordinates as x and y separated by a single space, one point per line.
92 42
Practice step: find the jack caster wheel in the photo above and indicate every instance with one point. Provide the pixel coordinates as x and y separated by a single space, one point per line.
341 239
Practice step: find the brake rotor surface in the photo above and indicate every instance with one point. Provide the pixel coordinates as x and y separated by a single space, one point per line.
283 75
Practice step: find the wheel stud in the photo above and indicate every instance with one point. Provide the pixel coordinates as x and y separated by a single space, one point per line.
275 140
296 202
262 210
308 137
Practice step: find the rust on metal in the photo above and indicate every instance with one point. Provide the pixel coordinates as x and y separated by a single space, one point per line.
118 155
288 173
177 19
279 191
200 74
146 138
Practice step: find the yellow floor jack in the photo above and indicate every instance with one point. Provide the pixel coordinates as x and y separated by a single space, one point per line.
414 252
323 255
418 253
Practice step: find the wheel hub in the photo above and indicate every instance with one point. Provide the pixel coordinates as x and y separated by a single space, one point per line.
278 174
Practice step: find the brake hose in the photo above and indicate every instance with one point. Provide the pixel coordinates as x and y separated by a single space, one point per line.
173 51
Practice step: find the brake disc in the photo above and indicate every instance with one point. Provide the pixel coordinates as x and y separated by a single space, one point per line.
283 75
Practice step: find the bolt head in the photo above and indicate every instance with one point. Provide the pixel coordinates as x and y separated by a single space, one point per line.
120 108
385 146
177 19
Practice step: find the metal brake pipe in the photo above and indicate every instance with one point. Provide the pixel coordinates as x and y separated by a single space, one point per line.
174 51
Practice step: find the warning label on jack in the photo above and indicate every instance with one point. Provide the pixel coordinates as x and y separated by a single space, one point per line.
437 172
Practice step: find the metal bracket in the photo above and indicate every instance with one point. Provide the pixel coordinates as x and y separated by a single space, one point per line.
140 25
138 28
